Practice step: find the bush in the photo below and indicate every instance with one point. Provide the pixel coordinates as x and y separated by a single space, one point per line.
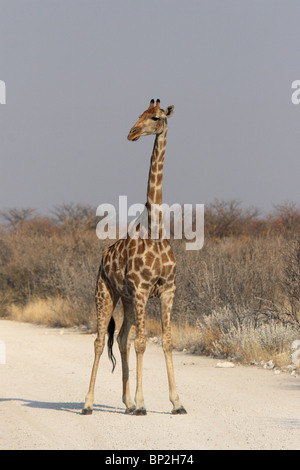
224 334
247 275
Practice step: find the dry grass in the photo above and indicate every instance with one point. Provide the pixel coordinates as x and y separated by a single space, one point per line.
244 343
218 336
223 336
54 311
184 336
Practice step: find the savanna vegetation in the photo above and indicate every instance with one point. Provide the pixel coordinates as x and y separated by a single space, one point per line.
237 297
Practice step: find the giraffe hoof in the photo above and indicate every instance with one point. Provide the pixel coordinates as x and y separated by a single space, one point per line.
87 411
130 410
179 411
140 412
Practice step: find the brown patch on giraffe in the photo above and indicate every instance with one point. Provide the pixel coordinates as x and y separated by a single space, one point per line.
155 247
165 244
133 278
146 274
149 258
138 263
153 178
156 265
131 250
165 258
151 194
141 248
159 178
145 285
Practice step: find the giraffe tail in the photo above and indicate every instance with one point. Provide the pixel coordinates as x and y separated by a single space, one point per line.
110 342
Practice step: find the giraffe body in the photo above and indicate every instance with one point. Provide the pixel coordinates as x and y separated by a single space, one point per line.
135 269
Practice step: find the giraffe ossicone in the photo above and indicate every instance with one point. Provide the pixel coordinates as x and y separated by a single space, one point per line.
135 269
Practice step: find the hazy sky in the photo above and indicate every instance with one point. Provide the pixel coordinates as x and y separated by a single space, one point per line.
78 74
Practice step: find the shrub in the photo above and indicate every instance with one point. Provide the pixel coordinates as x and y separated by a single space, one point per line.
223 335
245 280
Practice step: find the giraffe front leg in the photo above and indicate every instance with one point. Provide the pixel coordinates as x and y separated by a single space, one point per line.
124 342
140 347
166 306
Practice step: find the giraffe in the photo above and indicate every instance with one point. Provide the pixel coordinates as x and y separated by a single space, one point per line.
135 269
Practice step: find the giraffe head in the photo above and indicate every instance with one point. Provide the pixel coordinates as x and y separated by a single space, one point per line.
152 122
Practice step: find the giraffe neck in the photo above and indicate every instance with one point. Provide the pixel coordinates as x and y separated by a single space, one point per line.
154 193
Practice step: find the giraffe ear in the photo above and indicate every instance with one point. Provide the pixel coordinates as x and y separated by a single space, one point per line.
169 111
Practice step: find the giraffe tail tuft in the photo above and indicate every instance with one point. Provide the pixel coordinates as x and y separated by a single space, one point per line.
110 342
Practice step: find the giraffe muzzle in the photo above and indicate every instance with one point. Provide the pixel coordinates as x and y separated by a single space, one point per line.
133 134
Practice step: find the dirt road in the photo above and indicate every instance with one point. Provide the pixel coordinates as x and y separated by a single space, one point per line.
44 382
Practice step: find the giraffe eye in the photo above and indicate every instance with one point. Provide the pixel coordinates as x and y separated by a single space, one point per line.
155 118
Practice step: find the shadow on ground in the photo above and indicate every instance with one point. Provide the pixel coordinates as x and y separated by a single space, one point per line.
70 407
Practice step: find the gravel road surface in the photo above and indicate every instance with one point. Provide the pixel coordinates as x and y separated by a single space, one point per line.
45 379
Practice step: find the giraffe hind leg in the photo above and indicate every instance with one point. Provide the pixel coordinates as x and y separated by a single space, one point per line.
166 306
105 302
